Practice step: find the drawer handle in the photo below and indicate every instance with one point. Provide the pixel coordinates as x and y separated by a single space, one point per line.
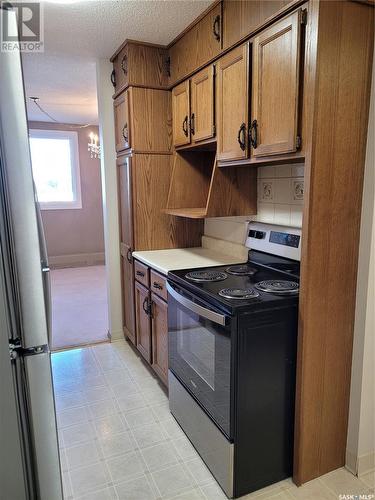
157 285
216 28
140 273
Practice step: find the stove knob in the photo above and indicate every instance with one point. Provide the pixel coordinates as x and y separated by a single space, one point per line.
258 235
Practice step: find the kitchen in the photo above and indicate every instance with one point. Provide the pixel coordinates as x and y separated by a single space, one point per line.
238 195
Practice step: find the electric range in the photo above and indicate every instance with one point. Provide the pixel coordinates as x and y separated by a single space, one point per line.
232 336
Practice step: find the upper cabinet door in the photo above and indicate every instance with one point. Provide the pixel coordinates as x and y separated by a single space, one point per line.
276 60
202 105
125 200
232 105
181 113
122 125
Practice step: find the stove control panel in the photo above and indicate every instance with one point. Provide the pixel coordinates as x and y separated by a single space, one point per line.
287 239
275 240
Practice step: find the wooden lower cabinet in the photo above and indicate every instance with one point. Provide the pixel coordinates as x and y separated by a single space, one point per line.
143 323
151 310
159 329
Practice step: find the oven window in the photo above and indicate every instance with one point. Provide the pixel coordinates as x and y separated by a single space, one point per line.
196 346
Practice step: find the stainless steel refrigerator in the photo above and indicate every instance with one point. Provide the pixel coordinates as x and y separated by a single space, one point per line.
29 455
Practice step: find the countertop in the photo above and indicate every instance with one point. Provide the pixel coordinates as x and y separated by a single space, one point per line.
186 258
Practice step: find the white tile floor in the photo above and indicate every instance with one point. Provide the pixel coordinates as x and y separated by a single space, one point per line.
119 442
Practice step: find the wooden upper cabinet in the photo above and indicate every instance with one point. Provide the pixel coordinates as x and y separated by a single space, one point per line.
241 17
143 322
276 61
140 64
150 120
122 126
159 321
197 46
181 114
202 122
125 200
232 105
143 121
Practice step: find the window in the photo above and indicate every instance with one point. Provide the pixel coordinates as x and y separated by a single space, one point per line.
55 163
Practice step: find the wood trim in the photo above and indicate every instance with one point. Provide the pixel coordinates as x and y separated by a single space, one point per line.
337 82
135 42
261 162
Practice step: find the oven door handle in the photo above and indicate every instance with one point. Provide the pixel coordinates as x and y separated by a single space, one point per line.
218 318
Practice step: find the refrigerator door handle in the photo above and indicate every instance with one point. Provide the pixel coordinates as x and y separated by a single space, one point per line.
45 272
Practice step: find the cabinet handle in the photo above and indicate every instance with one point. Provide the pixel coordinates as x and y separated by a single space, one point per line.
185 126
129 255
241 136
140 273
147 307
192 124
113 78
216 28
125 134
124 64
254 134
157 285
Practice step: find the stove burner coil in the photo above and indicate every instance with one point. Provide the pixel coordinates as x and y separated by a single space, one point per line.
239 293
278 287
205 276
243 270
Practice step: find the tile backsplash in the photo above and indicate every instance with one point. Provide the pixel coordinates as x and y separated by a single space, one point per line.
280 194
280 201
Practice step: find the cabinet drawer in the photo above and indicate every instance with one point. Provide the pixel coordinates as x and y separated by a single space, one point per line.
141 273
158 284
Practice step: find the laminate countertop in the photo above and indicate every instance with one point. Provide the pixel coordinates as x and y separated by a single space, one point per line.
186 258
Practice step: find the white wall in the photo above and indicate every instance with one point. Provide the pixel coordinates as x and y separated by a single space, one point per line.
361 429
110 202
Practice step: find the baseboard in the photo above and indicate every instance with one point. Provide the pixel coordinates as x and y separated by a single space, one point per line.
76 260
360 465
117 335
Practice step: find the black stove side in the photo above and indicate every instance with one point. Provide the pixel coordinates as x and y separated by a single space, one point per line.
264 398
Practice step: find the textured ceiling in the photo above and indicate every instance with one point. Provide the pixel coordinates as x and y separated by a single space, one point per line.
77 33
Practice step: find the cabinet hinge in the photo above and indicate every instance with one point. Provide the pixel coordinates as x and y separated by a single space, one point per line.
298 142
304 17
168 66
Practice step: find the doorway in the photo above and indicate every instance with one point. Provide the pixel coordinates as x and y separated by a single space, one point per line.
68 184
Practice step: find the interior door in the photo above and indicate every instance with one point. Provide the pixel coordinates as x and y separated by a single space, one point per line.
160 337
202 105
181 113
143 323
122 125
276 60
232 105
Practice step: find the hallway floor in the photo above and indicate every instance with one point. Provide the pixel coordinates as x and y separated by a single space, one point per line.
119 441
79 306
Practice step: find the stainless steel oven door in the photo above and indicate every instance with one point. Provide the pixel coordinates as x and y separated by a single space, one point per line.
200 353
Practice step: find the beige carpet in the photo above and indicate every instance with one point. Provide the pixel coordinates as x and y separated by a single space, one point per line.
79 306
